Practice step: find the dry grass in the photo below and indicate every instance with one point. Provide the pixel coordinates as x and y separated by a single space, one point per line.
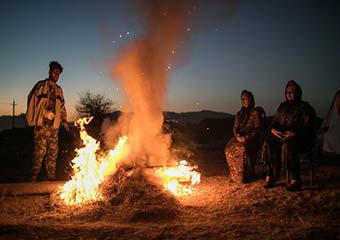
136 208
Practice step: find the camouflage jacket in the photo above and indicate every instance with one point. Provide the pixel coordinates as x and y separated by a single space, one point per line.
37 102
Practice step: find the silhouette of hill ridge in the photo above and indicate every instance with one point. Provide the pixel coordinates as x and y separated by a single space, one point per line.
184 117
194 117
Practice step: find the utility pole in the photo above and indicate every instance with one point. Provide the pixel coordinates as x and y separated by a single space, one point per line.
13 114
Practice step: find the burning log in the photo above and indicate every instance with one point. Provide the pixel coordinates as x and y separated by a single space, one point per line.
179 179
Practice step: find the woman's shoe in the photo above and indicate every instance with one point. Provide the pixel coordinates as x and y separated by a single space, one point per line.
34 178
268 183
293 186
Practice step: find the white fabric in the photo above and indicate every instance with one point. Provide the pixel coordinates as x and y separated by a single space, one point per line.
331 138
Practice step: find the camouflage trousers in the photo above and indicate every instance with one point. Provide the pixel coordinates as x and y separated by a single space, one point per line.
45 147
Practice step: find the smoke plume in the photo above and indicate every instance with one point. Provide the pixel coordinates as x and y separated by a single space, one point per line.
143 68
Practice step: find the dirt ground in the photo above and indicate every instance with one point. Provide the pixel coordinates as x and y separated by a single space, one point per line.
218 209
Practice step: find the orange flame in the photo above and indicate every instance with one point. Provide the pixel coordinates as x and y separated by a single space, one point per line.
89 169
180 179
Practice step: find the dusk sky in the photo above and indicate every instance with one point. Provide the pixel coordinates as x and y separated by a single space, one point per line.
259 46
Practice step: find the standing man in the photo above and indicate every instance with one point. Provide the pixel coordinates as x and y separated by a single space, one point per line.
46 111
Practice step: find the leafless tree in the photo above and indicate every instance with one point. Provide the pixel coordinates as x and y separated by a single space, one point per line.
91 104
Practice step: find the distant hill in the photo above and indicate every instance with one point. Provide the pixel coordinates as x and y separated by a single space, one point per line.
184 117
194 117
6 122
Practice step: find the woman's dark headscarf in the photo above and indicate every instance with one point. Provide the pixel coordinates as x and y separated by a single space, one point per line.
251 98
298 90
244 113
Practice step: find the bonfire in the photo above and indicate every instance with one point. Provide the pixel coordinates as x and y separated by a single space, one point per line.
91 170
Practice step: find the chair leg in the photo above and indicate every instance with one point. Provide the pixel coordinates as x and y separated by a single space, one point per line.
311 175
311 170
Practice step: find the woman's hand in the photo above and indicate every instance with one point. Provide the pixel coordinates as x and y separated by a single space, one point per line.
276 133
240 139
66 127
287 134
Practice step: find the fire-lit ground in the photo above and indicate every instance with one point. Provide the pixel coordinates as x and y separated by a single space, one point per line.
217 209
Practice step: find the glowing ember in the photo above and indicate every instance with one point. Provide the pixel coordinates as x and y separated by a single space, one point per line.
89 169
180 179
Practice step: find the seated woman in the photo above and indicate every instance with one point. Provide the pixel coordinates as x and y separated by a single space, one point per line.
330 145
241 151
291 132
